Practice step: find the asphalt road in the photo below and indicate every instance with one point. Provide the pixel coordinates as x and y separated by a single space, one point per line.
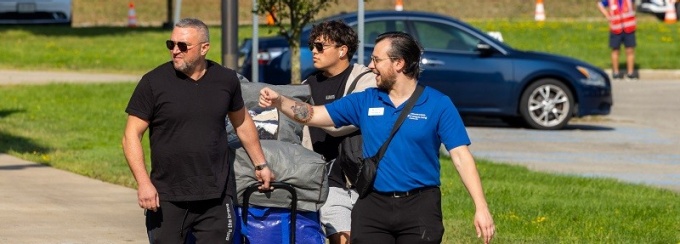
638 142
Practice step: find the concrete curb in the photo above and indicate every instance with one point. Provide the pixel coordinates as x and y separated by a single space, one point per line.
655 74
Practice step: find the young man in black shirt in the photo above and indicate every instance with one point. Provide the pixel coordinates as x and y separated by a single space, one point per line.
183 103
333 44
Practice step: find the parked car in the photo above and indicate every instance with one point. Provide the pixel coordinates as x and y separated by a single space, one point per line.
658 8
35 12
482 75
269 48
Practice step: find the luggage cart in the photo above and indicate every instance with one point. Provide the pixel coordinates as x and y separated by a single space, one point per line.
293 207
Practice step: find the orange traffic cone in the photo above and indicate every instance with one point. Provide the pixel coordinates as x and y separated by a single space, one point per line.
132 16
270 17
540 11
671 17
399 6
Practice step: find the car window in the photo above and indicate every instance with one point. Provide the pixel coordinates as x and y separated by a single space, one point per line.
434 35
374 28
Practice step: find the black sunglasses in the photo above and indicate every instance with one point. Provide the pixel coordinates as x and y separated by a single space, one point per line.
181 45
319 46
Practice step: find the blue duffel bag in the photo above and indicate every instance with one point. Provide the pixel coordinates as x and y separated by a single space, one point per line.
277 225
272 225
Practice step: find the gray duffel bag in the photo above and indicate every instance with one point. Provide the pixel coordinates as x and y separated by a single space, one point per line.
293 164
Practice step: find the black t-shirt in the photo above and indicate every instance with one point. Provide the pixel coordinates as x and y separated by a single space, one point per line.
326 90
187 130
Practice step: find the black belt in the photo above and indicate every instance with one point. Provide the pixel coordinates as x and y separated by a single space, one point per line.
399 194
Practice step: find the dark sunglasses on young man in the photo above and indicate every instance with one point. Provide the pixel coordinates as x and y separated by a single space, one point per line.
183 46
319 46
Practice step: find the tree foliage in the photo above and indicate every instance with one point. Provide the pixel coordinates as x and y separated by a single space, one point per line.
291 16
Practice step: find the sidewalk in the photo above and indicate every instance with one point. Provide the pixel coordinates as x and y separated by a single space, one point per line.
40 204
16 77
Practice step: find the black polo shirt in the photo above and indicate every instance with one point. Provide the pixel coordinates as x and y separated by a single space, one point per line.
187 130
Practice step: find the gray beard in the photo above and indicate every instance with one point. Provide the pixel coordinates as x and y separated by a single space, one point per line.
185 67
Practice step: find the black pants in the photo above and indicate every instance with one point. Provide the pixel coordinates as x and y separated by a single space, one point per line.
210 221
385 219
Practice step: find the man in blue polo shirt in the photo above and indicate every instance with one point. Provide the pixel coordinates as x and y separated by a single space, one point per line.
405 204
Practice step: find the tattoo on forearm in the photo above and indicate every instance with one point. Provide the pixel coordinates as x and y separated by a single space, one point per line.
302 112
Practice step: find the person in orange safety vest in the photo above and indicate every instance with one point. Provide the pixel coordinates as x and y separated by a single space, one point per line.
621 16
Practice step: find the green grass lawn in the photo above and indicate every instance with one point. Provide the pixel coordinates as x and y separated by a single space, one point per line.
137 50
78 127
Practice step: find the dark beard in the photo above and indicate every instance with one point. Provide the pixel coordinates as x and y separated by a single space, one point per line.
387 83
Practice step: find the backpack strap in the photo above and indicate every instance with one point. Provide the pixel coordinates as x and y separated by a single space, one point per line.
356 80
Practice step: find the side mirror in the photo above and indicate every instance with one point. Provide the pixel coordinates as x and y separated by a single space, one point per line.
484 49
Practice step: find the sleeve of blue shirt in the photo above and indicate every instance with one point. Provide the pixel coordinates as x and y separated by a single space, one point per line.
451 129
347 110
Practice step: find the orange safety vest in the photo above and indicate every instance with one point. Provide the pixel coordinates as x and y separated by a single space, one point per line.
623 18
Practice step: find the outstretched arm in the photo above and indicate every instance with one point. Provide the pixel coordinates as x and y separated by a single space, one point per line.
465 165
299 111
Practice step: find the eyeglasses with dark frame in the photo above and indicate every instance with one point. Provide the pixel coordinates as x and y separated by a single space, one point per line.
320 46
182 46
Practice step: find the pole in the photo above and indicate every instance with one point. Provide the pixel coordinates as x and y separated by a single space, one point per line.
360 13
230 34
178 10
169 24
255 47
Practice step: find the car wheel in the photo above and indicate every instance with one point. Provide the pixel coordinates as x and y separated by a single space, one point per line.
547 105
660 16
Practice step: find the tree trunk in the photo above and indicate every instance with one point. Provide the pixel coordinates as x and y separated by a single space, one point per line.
295 64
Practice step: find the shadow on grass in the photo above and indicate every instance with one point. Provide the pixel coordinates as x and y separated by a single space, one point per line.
17 144
66 31
8 112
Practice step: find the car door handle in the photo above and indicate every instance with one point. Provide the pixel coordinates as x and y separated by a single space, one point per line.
431 62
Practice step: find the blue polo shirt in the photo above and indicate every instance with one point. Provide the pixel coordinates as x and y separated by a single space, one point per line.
412 158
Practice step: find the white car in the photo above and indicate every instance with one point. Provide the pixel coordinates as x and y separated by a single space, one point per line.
35 12
658 7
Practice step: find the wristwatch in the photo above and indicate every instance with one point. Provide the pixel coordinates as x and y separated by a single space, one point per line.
261 166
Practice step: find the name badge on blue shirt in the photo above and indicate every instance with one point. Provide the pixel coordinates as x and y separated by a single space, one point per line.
376 111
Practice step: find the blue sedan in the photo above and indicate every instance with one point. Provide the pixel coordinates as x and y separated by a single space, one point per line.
483 76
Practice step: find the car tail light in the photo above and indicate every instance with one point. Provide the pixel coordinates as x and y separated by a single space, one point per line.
263 57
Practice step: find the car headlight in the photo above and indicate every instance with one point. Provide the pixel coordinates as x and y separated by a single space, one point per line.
592 78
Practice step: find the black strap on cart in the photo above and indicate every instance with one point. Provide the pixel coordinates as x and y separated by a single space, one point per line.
277 185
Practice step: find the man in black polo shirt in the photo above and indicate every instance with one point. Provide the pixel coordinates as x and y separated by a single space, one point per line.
183 103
